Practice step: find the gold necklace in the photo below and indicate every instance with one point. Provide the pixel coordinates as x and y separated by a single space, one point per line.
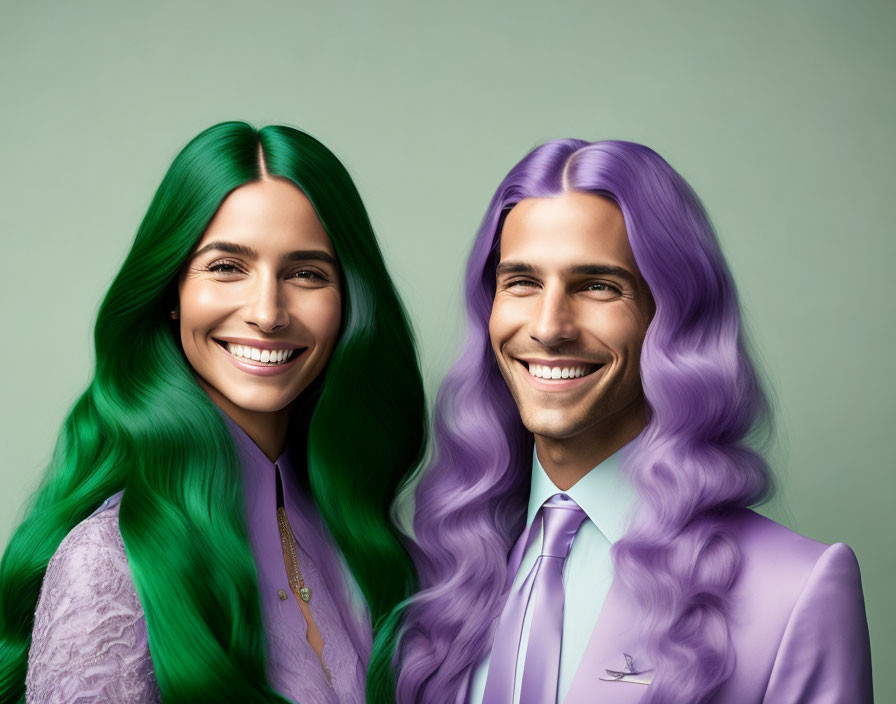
296 581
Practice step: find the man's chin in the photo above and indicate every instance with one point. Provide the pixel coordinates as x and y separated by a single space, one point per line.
555 425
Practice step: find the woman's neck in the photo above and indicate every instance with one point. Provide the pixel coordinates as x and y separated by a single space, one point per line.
266 429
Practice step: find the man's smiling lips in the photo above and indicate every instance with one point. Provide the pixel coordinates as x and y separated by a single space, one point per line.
557 374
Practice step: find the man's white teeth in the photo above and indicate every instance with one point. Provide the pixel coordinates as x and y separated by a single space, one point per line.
543 372
264 356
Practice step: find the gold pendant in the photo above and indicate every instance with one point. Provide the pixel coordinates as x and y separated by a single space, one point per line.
305 593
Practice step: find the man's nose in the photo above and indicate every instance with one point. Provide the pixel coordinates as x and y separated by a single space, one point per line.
265 308
554 322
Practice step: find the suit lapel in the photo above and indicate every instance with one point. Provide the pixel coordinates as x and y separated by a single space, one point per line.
613 635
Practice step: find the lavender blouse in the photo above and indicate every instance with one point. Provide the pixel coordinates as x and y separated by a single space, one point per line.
90 641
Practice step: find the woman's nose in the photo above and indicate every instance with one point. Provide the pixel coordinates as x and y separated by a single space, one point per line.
266 309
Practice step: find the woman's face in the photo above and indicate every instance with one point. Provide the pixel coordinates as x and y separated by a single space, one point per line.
260 301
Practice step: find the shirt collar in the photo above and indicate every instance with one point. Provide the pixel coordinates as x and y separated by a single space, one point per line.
259 488
253 461
604 494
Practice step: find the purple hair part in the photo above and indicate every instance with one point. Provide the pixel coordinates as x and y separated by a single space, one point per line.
692 463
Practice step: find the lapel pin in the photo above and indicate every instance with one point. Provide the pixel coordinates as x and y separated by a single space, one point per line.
629 674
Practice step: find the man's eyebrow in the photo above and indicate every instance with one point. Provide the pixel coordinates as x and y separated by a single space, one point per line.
587 269
605 270
250 253
514 268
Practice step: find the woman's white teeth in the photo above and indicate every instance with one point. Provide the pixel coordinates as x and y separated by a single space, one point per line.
541 371
257 355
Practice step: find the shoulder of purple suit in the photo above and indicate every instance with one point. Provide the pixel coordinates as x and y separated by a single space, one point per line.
89 641
766 546
797 616
778 564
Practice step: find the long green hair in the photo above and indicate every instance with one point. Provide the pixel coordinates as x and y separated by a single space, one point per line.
146 427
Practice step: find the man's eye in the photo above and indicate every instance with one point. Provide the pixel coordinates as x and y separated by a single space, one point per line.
520 283
603 287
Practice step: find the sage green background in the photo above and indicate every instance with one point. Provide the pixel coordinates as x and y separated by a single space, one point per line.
780 115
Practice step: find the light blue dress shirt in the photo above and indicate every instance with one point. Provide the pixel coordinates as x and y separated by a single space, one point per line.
607 498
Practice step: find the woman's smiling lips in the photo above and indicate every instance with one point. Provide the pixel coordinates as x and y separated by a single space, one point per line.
557 374
260 357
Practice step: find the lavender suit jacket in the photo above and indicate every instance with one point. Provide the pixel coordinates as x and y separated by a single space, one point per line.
797 625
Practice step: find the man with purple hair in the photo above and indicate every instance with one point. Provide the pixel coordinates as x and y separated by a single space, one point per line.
584 531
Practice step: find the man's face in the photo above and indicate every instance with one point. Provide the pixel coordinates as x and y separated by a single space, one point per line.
569 316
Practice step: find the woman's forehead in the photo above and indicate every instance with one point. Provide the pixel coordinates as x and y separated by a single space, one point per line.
265 215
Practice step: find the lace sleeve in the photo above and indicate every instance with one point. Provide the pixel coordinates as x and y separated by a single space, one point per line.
89 642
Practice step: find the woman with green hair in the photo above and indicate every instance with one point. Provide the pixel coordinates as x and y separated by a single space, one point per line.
214 525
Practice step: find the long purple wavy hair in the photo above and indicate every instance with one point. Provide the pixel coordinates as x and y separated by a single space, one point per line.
693 463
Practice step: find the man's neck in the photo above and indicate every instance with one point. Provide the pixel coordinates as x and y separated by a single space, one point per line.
567 460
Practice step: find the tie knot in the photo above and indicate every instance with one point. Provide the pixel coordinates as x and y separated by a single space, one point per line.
562 519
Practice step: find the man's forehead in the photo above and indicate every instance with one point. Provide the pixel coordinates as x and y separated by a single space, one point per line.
598 210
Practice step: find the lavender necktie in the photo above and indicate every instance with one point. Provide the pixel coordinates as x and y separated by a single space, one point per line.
544 584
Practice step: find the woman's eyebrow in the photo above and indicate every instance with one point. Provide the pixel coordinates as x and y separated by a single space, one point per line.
229 248
311 254
250 253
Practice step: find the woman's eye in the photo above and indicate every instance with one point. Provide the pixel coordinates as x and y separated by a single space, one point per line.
308 275
223 268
